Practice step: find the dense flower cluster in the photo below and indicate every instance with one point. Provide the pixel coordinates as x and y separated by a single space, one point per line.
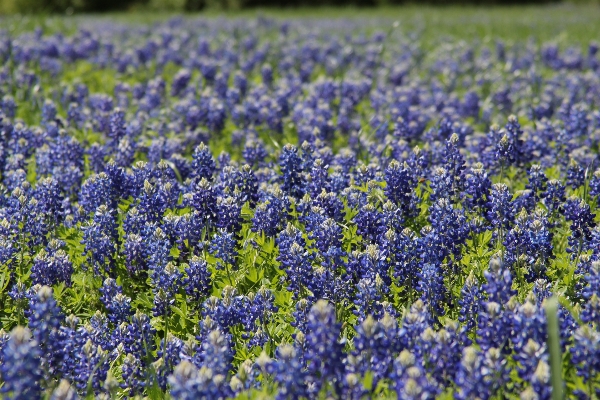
213 209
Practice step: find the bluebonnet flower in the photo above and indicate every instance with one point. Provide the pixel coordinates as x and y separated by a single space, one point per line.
494 324
4 337
48 111
319 177
215 118
50 269
369 223
582 220
374 347
117 305
480 374
324 351
195 115
75 115
203 199
37 226
155 199
470 105
554 196
71 341
188 383
540 383
327 238
372 265
170 354
139 336
166 283
134 221
223 246
98 331
510 147
117 126
262 306
203 164
591 308
229 214
91 366
500 213
49 200
99 239
430 245
441 184
270 216
524 200
288 372
410 380
21 370
7 242
157 248
529 322
215 352
575 174
400 186
454 163
498 284
392 217
353 388
254 153
267 74
247 184
224 160
333 206
470 302
45 318
368 300
180 81
134 375
585 351
444 351
433 291
189 233
529 245
229 177
246 377
365 173
300 314
141 172
134 251
505 150
340 180
197 282
291 170
528 356
9 107
206 326
450 224
414 323
400 249
294 260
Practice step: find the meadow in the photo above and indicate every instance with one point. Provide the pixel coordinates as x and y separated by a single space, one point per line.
342 203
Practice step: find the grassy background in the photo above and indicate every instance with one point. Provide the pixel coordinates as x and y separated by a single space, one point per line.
560 22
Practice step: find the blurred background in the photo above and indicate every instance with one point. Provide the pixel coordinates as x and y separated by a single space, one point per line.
80 6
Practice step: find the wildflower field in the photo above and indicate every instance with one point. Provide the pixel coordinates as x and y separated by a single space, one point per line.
275 207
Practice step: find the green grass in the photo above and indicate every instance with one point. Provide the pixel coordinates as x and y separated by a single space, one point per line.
565 23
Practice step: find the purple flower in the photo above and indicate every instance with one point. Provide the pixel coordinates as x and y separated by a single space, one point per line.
21 369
